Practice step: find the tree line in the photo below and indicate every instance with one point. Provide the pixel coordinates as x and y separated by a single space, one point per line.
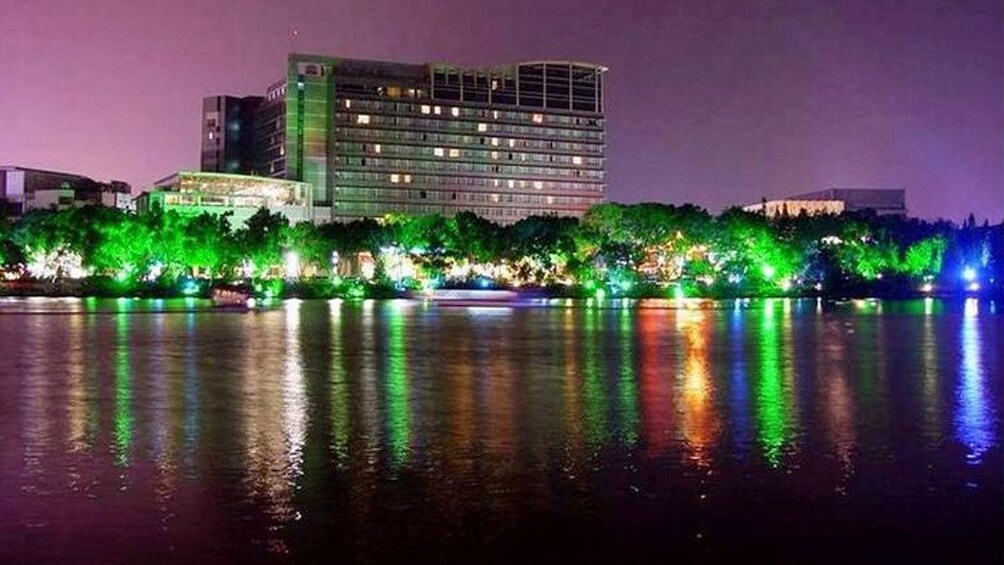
614 250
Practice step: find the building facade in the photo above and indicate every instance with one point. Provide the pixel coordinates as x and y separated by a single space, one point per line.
194 193
227 135
882 201
23 189
373 138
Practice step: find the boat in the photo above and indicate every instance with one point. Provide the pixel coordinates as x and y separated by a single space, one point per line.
463 297
230 296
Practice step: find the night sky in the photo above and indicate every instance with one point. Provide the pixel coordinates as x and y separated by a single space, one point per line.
711 102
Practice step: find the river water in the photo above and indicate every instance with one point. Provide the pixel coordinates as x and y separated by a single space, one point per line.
151 431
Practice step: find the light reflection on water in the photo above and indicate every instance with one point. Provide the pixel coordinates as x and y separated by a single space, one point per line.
280 424
975 417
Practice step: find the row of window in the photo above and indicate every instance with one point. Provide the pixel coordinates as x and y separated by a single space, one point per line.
347 193
464 182
379 106
462 167
390 135
500 214
461 126
411 151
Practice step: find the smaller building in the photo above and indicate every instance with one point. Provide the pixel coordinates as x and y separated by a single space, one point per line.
193 193
23 189
882 201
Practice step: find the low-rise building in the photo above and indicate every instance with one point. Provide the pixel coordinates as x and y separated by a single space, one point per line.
23 189
882 201
193 193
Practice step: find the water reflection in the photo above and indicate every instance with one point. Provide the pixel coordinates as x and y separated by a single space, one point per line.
699 424
396 385
975 416
123 390
772 411
333 416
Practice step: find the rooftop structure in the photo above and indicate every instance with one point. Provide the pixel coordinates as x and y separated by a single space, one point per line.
836 201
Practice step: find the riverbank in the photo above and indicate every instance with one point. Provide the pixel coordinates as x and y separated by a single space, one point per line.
348 288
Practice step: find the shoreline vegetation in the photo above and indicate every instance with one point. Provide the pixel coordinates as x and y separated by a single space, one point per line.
615 251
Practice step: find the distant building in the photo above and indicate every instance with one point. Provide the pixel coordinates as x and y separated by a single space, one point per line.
228 134
377 137
23 189
192 193
882 201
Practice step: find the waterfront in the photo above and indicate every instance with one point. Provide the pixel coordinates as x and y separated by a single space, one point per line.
164 431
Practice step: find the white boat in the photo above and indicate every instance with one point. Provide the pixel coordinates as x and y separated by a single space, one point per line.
463 297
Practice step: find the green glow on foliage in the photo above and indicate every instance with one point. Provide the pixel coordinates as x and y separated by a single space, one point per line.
768 271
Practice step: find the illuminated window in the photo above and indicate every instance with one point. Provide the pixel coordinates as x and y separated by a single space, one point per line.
538 185
395 178
495 141
576 160
377 148
363 119
282 150
455 112
511 183
426 109
454 153
550 200
512 143
538 118
495 154
407 178
212 136
495 114
437 110
495 198
438 151
482 127
348 103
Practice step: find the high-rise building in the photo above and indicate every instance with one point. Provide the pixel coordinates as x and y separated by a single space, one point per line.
228 134
373 138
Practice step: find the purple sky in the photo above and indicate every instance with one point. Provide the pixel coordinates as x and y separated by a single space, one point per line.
712 102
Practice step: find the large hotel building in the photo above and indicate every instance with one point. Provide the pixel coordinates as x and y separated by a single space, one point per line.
373 138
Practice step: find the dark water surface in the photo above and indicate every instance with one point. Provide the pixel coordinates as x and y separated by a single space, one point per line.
165 432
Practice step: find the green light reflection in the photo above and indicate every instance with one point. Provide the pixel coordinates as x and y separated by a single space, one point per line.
595 397
627 386
123 390
340 430
398 417
771 411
